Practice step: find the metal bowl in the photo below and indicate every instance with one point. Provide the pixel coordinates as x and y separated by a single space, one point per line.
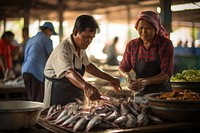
15 115
174 110
193 86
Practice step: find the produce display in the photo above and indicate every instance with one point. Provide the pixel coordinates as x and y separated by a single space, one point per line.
180 94
189 75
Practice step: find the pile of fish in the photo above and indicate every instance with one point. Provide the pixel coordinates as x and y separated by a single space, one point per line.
117 114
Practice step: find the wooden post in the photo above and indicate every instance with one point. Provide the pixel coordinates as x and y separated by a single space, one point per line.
166 14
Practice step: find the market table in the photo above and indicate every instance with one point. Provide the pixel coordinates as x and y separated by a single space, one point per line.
12 92
35 129
151 128
174 127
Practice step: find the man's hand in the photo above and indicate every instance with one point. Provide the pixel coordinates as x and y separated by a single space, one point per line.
115 83
91 92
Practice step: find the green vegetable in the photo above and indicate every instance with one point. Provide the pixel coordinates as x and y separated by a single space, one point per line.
189 75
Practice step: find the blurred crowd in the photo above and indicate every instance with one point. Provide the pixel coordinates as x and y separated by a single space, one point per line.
12 54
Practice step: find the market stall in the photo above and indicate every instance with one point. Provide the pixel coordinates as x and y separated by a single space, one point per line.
12 90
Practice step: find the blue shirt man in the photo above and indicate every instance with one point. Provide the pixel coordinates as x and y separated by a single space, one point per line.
37 51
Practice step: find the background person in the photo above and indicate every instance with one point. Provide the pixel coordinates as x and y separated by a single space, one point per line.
67 64
18 56
37 51
111 52
25 36
151 56
6 60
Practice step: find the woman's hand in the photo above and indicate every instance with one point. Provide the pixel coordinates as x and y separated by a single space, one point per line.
137 84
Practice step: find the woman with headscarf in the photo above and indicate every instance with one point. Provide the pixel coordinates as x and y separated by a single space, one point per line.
150 57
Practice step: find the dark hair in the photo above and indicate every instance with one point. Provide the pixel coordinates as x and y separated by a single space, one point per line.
116 38
7 34
86 21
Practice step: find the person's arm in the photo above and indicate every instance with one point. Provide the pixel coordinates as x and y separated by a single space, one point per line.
160 78
95 71
75 78
2 63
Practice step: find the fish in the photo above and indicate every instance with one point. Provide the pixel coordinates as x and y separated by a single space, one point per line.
53 115
71 119
70 104
100 114
112 116
141 118
106 124
71 125
111 106
131 121
154 119
102 109
120 120
81 124
145 121
124 109
94 121
132 110
62 119
58 107
64 112
135 106
51 109
145 109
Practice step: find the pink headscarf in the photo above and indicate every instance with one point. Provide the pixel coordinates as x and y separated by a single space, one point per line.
153 18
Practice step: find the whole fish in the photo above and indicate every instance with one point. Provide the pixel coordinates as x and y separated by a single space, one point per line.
145 108
94 121
120 120
62 119
53 115
131 121
135 106
58 107
50 111
110 106
141 118
124 109
80 124
71 119
102 109
154 119
71 125
112 116
70 104
106 124
63 113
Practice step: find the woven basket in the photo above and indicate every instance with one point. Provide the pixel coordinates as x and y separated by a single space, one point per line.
193 86
174 110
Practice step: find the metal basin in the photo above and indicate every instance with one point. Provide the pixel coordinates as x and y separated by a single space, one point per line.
15 115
